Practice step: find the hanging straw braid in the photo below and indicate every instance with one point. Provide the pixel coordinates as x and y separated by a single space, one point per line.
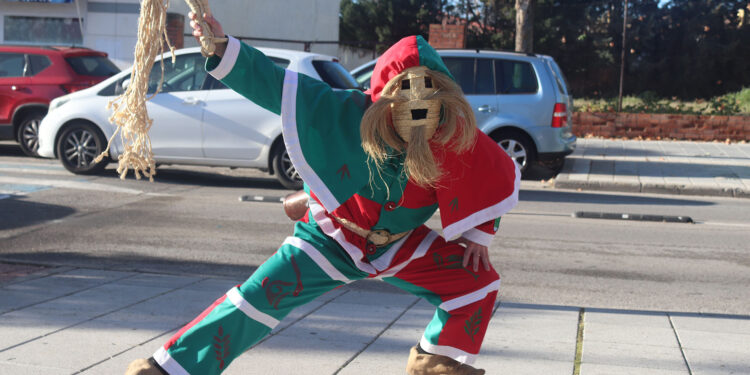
129 109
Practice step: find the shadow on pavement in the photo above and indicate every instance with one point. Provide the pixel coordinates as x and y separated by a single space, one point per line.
580 197
10 149
214 177
17 213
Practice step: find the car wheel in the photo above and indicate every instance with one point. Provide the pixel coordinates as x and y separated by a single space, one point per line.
285 171
518 146
28 133
78 146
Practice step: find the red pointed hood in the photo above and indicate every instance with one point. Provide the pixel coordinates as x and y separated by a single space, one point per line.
407 53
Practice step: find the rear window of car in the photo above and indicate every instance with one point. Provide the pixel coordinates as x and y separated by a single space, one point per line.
335 75
515 77
12 65
39 63
98 66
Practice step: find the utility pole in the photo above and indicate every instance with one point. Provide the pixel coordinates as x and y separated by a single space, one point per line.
525 26
622 55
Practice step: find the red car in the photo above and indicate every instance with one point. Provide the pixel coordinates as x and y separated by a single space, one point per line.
31 76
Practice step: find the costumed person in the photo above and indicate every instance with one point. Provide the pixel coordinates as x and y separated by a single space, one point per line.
376 166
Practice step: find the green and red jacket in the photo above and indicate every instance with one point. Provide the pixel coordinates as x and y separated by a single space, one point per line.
321 129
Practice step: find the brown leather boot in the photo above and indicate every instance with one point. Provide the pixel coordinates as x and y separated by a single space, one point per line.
143 367
433 364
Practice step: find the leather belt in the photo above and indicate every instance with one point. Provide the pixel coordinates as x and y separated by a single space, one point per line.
377 237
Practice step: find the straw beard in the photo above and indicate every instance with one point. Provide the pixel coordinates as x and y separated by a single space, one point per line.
457 132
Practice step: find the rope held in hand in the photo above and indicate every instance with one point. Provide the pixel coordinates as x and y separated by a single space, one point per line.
129 109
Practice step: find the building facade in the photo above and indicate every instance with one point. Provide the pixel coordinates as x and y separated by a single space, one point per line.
111 25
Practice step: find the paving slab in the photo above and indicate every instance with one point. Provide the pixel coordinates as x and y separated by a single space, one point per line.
630 340
600 369
37 290
523 340
709 362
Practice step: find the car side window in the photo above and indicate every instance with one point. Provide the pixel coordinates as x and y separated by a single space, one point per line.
38 63
485 77
515 77
12 65
186 74
212 83
462 70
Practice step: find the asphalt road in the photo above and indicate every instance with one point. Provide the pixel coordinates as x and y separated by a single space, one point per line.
192 221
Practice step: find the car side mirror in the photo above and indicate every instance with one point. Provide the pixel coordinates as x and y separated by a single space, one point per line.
125 83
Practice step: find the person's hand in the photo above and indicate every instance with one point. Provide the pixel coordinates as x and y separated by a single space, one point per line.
215 28
474 253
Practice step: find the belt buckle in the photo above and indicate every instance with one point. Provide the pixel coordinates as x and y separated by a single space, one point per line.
379 237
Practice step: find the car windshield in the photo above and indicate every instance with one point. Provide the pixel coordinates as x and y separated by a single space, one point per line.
98 66
335 75
363 76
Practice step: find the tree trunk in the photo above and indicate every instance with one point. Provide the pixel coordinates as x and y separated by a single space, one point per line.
525 26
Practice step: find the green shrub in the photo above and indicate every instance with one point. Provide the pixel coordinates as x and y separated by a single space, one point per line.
649 102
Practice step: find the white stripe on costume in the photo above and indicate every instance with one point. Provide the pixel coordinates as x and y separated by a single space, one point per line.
318 258
448 351
238 301
476 235
453 231
326 224
470 298
228 60
420 251
293 146
168 363
384 261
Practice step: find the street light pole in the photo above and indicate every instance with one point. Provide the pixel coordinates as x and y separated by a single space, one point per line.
622 55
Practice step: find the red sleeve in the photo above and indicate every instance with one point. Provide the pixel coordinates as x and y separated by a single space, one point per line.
477 187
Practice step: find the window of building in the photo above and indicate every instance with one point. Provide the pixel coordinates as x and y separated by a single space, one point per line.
42 30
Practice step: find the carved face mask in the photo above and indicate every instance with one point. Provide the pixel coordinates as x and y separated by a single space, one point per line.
413 107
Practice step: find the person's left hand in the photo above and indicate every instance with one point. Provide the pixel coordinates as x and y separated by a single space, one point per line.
474 253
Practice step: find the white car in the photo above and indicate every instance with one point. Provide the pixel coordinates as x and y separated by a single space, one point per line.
197 120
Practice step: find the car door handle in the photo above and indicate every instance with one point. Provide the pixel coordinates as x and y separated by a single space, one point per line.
191 101
486 108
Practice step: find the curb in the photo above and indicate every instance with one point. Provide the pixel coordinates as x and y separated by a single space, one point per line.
563 181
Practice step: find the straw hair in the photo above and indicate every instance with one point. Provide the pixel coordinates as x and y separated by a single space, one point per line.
457 132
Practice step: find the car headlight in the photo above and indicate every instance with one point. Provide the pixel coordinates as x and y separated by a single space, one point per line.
57 103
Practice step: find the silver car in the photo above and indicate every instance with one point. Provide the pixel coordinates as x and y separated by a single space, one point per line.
520 100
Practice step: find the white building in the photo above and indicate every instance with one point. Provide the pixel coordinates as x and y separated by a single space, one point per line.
111 25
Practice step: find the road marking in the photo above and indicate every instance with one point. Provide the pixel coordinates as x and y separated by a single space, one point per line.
261 198
724 224
77 185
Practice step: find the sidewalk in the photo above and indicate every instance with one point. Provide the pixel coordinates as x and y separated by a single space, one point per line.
70 320
665 167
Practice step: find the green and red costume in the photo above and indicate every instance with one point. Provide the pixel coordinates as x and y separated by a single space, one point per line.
321 128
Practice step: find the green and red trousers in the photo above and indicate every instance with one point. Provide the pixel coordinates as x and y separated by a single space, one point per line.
312 263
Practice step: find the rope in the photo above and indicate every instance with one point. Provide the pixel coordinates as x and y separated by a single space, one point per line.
129 111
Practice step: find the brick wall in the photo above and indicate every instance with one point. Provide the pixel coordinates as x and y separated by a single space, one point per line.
661 126
447 36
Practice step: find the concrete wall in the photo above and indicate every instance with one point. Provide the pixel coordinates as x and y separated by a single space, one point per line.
111 25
